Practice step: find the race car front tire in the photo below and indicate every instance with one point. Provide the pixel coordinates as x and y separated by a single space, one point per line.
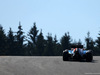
65 56
89 57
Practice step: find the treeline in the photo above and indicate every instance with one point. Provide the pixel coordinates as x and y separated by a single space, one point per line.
34 44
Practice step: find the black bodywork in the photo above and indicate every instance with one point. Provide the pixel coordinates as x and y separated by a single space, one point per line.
77 53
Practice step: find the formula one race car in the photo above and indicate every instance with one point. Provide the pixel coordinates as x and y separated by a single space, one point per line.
77 52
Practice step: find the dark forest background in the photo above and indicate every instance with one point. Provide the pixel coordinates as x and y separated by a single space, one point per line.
34 44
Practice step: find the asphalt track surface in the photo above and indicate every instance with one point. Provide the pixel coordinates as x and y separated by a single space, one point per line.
35 65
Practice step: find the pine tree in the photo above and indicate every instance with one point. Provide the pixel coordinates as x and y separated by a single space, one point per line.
92 43
65 41
33 33
3 41
88 39
55 40
98 41
89 42
19 40
96 50
40 44
10 42
55 45
49 51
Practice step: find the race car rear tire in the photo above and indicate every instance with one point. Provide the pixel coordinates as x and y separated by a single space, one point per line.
89 57
65 56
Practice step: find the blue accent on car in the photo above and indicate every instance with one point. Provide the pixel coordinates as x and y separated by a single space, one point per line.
81 52
70 51
84 51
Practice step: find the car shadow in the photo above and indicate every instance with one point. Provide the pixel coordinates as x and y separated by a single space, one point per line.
84 61
93 61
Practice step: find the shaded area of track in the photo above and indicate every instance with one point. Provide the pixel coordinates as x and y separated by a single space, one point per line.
13 65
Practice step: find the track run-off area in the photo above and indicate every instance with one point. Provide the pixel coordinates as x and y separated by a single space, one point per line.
47 65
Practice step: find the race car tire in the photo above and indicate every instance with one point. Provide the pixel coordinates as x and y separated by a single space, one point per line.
89 57
65 56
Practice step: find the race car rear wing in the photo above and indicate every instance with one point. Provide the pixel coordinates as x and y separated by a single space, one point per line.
76 46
